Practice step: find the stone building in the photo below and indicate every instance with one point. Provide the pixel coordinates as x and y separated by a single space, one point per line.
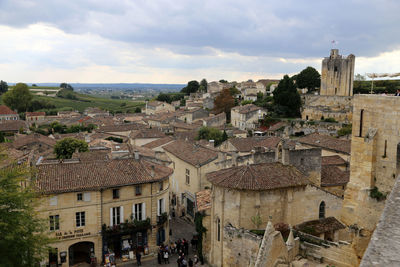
157 107
190 163
7 114
335 99
96 206
246 117
35 116
337 74
248 196
375 163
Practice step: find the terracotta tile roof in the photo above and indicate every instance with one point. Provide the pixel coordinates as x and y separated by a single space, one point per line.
23 140
191 153
94 175
333 176
93 155
121 128
12 126
30 114
203 200
249 143
159 142
246 108
326 142
187 126
258 177
277 126
333 160
187 135
4 110
317 227
155 103
147 133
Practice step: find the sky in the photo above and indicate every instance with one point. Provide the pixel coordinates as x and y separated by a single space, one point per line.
174 41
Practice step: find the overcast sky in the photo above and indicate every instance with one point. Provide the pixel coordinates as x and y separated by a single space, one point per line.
174 41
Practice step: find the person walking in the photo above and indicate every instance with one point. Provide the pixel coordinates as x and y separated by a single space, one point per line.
166 257
138 258
190 262
159 256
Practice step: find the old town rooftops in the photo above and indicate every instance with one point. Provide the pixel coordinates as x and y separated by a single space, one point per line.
333 160
249 143
95 175
191 153
4 110
320 226
326 142
203 200
246 108
258 177
333 176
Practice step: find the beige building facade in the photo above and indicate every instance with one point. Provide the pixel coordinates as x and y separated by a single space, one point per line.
92 212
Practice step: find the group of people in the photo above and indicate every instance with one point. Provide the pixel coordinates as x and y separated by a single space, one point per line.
163 254
180 247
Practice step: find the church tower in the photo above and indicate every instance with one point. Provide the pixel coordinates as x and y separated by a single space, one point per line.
337 74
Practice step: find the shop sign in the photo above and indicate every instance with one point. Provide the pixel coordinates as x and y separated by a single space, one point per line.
71 234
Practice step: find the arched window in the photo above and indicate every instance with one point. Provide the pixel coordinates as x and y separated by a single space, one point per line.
218 229
322 210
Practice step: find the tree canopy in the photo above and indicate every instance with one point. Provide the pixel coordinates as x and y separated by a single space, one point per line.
23 239
308 78
19 98
209 133
286 98
203 85
65 148
67 86
3 87
224 102
169 97
191 87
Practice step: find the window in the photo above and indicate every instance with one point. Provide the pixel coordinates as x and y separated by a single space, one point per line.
160 207
53 201
361 122
54 222
218 229
322 210
80 219
86 196
115 193
138 190
116 215
160 184
187 176
79 196
384 150
139 211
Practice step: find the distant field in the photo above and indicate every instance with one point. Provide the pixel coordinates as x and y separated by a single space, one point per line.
40 87
86 101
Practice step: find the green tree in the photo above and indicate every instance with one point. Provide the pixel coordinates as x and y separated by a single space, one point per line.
234 91
308 78
359 77
23 239
223 81
286 98
192 87
65 148
138 110
3 87
19 98
209 133
203 85
67 86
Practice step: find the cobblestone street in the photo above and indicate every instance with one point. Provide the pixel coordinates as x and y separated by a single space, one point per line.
180 229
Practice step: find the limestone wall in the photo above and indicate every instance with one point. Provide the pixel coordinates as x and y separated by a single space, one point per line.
327 106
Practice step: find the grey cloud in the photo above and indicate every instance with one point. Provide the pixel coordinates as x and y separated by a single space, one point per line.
296 28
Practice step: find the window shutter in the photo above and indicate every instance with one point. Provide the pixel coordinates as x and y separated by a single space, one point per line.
163 206
144 211
122 214
111 216
158 208
53 201
133 212
86 196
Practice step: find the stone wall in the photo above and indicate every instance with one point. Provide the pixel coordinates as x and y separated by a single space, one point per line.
316 107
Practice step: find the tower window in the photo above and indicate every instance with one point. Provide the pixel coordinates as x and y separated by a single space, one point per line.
361 122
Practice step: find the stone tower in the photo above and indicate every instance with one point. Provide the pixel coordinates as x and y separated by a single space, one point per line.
337 74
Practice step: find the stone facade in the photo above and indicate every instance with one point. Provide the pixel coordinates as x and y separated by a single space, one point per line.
337 74
318 107
375 162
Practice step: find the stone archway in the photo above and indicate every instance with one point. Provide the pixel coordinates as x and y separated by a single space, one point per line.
80 252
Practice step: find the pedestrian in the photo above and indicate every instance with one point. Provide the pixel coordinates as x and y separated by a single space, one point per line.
186 246
397 93
159 256
190 262
179 261
184 262
195 260
138 258
166 257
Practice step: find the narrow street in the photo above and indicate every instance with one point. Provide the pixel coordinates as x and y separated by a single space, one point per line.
180 229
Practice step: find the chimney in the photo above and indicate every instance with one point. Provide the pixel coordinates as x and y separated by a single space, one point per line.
152 171
211 143
137 155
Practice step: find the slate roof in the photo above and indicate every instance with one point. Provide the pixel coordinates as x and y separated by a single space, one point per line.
333 176
191 153
246 108
258 177
249 143
326 142
320 226
95 175
333 160
203 200
159 142
4 110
